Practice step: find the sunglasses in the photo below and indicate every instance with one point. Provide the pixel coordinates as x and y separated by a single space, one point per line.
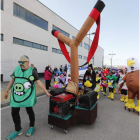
21 62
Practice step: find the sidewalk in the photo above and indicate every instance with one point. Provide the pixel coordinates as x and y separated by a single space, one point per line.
39 91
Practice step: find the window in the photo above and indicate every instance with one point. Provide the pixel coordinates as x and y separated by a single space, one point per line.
30 17
45 48
18 41
86 46
1 37
61 31
84 57
29 44
80 43
80 56
1 4
56 51
36 46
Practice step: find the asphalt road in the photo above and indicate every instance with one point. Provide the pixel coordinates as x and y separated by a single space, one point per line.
112 123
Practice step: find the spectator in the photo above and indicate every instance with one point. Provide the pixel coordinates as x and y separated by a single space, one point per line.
55 70
61 68
47 77
51 71
32 65
65 68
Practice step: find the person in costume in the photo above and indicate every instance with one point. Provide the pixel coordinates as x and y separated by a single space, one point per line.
89 80
95 69
62 80
124 88
56 80
111 82
104 81
132 82
97 89
23 94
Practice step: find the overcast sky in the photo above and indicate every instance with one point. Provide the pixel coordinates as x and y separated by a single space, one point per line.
119 31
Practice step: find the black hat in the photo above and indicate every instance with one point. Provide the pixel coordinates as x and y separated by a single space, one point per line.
90 65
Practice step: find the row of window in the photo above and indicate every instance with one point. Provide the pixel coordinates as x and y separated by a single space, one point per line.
29 44
38 46
56 51
30 17
60 52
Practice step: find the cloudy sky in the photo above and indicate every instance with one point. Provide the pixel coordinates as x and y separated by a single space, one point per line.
119 31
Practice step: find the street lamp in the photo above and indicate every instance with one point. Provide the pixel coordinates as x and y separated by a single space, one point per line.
89 42
111 58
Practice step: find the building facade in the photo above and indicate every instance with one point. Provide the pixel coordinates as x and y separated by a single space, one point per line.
26 30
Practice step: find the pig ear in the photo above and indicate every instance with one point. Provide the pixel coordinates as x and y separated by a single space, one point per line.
31 78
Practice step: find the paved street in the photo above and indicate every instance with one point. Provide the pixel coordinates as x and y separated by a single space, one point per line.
112 123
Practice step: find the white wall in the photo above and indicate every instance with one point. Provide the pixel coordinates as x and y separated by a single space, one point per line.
12 26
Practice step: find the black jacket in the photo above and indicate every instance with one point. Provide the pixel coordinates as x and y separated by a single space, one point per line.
91 78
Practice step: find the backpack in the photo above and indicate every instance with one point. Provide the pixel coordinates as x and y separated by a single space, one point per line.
71 87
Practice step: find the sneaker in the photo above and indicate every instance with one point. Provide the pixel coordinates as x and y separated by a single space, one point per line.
14 135
30 131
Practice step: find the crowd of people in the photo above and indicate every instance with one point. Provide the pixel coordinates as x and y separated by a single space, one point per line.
101 79
59 76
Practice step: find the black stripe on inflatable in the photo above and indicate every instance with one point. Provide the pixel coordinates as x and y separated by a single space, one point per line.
99 6
53 31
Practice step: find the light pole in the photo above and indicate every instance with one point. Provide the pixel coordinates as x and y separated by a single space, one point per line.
89 42
111 58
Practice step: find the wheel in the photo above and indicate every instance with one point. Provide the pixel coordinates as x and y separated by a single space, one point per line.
125 107
51 126
133 110
129 109
138 113
66 131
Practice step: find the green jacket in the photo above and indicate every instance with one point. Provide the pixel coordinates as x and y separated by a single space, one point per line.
23 92
111 79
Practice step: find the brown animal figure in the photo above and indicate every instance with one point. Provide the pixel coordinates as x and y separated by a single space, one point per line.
132 82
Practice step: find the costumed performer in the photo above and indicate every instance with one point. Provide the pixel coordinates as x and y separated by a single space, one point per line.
56 80
62 80
89 80
111 82
97 89
104 81
132 82
23 94
123 89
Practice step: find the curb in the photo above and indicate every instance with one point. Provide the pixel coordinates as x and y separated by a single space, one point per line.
38 95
